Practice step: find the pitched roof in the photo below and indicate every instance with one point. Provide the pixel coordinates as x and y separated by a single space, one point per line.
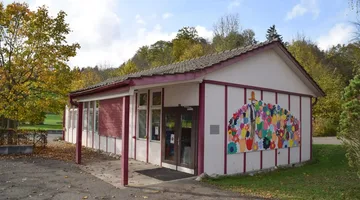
191 65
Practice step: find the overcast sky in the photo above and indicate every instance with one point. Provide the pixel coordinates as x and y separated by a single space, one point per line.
110 31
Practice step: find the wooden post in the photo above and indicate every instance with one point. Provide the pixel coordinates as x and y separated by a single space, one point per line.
125 143
79 133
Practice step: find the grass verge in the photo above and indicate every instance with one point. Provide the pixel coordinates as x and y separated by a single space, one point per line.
328 176
51 122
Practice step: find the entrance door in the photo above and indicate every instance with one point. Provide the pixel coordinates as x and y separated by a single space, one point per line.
179 137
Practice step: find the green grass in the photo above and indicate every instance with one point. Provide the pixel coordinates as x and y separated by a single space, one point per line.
52 122
326 177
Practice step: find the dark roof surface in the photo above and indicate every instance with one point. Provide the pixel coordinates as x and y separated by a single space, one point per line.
191 65
182 67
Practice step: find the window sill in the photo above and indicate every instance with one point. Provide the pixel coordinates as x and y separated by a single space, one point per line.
144 139
156 141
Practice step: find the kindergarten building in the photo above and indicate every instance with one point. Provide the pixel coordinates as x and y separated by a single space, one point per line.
236 111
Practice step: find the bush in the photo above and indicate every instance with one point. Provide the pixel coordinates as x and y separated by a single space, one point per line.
349 122
23 136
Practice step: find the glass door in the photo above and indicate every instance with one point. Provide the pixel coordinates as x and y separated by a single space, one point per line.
179 136
185 139
170 137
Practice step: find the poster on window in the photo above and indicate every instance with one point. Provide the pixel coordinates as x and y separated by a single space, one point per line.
156 130
172 139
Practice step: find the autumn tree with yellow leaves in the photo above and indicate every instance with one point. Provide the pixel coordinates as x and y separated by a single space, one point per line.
34 75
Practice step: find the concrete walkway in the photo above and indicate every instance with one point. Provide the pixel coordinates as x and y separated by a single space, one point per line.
326 140
38 178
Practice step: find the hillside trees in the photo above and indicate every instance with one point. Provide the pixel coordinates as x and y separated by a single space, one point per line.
349 124
327 109
227 34
34 74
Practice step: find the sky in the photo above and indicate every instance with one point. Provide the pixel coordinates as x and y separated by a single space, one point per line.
110 31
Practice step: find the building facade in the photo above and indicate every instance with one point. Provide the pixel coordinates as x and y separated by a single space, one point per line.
232 112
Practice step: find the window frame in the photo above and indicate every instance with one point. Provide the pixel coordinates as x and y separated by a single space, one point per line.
141 108
155 107
96 114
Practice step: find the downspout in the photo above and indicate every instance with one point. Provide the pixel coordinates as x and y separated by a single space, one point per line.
316 100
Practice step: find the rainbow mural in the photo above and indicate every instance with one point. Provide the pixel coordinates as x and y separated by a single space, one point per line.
262 126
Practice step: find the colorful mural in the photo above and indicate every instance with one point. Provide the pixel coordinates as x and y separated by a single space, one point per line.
262 126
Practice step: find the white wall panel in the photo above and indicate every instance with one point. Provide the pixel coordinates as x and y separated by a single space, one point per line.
235 163
96 141
214 115
141 150
282 156
119 146
184 94
252 161
266 69
103 143
154 152
268 159
294 155
111 145
305 127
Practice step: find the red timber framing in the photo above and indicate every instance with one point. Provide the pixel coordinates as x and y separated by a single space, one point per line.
225 129
148 126
63 125
79 133
201 128
245 87
300 130
125 143
135 120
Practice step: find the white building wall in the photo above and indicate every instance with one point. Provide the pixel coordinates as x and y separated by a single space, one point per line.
295 110
184 94
141 150
282 157
155 152
235 162
305 125
214 143
214 147
266 69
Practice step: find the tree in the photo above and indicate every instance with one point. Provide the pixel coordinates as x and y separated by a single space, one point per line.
327 110
188 44
34 74
272 34
227 34
127 68
84 78
349 124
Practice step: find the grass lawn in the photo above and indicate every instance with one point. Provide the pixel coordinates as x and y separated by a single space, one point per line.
326 177
52 122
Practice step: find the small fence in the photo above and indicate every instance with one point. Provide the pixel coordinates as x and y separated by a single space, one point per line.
37 138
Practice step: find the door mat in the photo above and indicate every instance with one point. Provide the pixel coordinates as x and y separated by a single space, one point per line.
164 174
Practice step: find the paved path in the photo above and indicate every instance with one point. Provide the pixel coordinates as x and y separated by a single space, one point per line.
326 140
38 178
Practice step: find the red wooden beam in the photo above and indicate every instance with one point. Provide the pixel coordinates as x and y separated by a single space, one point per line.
201 128
225 129
125 144
63 124
135 133
148 127
162 111
311 127
79 133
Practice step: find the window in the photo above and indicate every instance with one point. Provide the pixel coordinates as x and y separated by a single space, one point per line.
155 115
91 116
97 107
142 114
156 99
85 116
142 123
155 124
143 99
